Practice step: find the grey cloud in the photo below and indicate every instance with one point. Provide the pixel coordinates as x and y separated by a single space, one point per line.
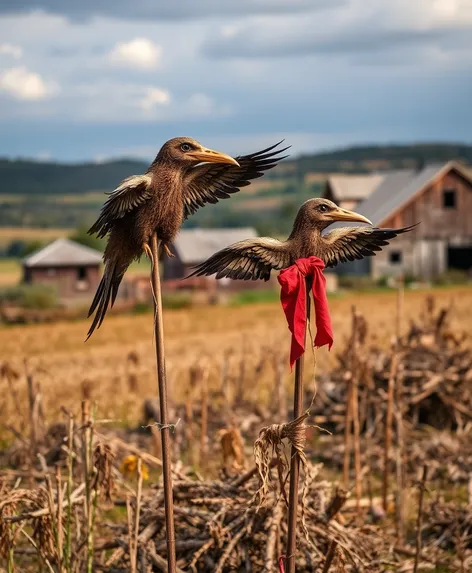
163 9
255 43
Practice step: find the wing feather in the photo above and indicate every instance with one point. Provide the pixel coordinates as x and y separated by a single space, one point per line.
130 194
210 182
351 243
249 259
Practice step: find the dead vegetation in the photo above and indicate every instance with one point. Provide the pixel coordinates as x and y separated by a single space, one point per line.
80 493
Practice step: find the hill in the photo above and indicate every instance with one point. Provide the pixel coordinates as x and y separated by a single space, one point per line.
25 177
44 195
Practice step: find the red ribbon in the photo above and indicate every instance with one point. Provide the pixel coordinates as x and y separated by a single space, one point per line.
281 564
293 299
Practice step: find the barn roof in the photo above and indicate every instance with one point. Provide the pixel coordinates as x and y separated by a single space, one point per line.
353 187
63 252
398 187
196 245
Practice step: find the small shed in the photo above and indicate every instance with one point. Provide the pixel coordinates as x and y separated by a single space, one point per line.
193 246
71 268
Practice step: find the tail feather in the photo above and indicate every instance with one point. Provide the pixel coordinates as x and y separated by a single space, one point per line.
107 289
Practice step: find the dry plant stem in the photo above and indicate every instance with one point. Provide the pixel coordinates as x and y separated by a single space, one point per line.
70 485
204 420
330 556
399 502
60 531
400 301
419 521
295 460
388 427
355 414
165 430
347 435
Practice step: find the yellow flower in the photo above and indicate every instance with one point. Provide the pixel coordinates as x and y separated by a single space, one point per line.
129 467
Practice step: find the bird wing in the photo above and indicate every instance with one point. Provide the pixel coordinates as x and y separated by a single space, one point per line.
132 192
249 259
350 243
209 182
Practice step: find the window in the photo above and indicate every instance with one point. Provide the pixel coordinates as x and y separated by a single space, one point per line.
395 257
449 198
81 273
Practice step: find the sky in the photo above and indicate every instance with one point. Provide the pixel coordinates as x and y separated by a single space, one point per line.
96 79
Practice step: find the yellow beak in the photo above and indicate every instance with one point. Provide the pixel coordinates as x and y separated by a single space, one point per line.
345 215
210 156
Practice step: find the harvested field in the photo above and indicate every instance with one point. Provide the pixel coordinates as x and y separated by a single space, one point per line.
228 378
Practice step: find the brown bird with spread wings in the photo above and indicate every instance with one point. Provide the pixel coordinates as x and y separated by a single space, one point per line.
183 177
256 258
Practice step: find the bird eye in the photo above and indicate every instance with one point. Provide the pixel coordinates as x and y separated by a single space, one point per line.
323 208
185 147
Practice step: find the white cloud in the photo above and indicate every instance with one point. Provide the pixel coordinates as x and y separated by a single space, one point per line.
154 97
11 50
22 84
140 52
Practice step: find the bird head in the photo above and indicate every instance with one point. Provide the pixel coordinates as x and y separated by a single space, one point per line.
322 212
188 152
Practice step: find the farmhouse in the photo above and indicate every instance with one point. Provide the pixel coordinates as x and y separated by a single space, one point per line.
193 246
348 191
439 197
72 269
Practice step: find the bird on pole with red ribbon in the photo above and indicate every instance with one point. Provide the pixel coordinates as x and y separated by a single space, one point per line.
305 253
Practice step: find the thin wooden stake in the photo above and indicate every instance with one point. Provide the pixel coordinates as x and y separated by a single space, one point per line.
164 427
399 502
419 521
388 426
294 459
347 434
355 413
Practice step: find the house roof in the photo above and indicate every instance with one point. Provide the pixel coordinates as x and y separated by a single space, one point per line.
196 245
63 252
398 187
353 187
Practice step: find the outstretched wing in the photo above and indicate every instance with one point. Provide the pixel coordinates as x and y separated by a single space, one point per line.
131 193
350 243
249 259
212 181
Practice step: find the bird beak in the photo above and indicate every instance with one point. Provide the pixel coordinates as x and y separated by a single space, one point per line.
210 156
345 215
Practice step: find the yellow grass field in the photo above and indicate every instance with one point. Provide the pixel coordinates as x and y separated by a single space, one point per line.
62 362
10 272
8 234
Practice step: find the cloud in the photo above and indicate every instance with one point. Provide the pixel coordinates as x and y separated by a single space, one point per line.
154 97
164 9
22 84
11 50
140 52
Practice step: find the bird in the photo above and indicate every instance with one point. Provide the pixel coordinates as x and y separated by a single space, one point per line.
183 177
255 258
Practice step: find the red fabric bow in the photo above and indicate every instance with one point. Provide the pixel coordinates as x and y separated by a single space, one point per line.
293 299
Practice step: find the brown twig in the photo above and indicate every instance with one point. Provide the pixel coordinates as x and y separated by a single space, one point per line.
419 520
164 421
388 426
295 458
330 556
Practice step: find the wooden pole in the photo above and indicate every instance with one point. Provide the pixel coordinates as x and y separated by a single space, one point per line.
294 459
164 421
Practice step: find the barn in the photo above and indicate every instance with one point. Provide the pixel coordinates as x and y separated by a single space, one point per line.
439 198
71 268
